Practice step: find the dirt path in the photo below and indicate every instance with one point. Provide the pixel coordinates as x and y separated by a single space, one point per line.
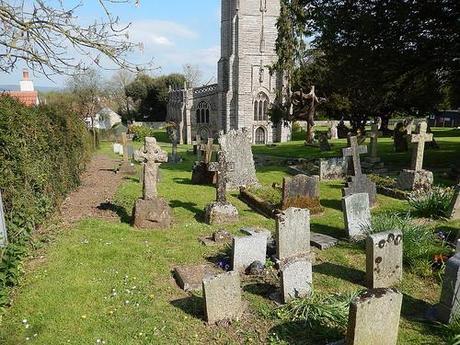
93 198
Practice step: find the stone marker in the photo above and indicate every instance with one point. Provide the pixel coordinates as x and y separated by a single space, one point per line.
292 233
322 241
222 297
236 147
400 138
296 279
174 137
374 318
454 210
374 135
190 278
117 148
334 168
196 147
221 211
357 214
151 211
416 178
200 171
358 183
324 143
449 305
384 259
126 168
301 191
246 250
333 133
3 232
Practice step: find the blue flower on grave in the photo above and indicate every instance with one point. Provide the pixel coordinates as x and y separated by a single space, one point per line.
224 264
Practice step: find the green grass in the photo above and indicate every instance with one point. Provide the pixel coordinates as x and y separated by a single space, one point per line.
67 297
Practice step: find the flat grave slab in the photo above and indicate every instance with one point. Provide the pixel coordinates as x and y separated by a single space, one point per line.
190 277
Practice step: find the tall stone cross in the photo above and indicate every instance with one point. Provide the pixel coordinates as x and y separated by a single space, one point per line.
354 151
207 149
419 148
374 135
124 142
152 156
3 233
222 167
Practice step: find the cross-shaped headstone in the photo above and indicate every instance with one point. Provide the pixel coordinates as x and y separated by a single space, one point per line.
222 167
3 233
419 148
354 151
207 149
124 142
374 134
153 156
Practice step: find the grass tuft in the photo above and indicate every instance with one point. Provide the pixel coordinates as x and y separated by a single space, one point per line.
433 203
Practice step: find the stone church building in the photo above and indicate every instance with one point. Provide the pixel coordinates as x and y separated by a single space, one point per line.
246 88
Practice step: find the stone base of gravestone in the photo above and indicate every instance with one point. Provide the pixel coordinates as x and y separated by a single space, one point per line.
221 213
384 259
374 318
361 184
222 297
296 279
127 168
415 180
190 278
322 241
201 174
152 214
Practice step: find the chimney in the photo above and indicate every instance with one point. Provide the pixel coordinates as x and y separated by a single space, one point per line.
25 74
26 84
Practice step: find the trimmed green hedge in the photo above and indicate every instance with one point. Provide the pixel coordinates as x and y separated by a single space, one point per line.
43 151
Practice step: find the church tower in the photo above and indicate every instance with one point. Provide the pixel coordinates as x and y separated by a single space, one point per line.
246 88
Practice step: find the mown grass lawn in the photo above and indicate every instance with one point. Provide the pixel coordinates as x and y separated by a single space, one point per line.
105 281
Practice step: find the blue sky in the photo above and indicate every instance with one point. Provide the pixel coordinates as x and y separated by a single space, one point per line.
173 32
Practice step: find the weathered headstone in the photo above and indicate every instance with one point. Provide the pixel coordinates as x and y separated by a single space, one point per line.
301 191
324 143
151 211
126 167
236 147
333 168
174 137
449 305
296 279
190 278
221 211
357 214
200 172
196 146
292 233
454 210
417 178
333 132
3 232
222 297
384 259
400 138
374 135
374 318
358 183
246 250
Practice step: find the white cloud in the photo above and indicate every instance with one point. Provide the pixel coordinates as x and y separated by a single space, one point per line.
159 32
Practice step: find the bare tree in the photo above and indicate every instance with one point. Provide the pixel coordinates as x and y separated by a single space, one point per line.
45 34
192 74
117 91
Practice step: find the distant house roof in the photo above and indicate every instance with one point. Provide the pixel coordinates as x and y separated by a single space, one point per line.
28 98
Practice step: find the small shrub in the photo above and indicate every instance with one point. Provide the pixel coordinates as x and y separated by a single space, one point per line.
433 203
420 243
141 132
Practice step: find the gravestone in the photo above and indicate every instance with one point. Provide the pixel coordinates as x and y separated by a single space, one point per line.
200 171
454 210
296 279
358 182
222 297
117 148
246 250
416 178
190 278
374 135
342 130
449 305
357 214
174 137
374 318
292 233
324 143
196 146
384 259
236 147
221 211
333 132
301 191
151 211
334 168
126 167
322 241
400 138
3 232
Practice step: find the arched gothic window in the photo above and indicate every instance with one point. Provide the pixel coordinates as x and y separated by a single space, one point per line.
202 112
260 135
261 104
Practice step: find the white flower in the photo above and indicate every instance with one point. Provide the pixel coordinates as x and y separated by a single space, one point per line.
24 321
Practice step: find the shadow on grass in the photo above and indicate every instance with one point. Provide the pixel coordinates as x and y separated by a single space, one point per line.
132 179
224 256
332 203
181 180
109 170
260 289
300 332
190 206
119 210
341 272
192 305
